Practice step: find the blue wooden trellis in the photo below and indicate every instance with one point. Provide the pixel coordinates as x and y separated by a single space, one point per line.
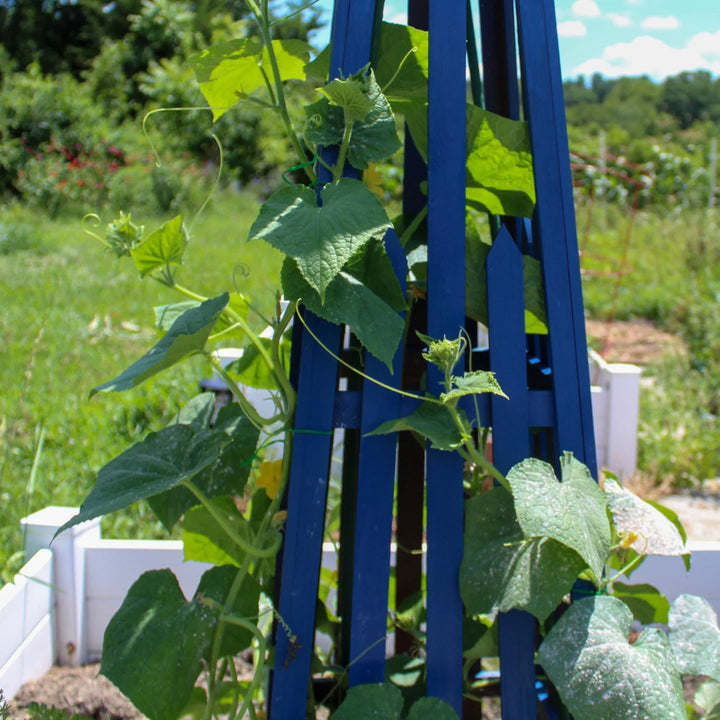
546 378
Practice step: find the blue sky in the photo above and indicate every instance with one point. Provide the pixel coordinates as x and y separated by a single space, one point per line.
627 37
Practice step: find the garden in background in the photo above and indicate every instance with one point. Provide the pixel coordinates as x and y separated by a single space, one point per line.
76 138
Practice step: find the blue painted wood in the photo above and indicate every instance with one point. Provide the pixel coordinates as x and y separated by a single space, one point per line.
317 384
554 227
511 444
375 491
497 35
305 522
446 316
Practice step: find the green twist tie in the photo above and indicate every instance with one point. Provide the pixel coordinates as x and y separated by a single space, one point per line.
294 168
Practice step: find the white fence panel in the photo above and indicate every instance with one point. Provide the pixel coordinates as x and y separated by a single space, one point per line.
27 648
112 566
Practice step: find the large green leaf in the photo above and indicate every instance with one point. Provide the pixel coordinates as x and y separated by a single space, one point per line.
251 369
365 296
187 336
476 252
499 176
430 708
377 702
165 246
600 675
227 475
166 315
499 164
161 461
230 71
432 421
695 636
205 541
573 512
473 383
155 644
653 533
321 238
402 62
708 698
648 605
374 132
503 570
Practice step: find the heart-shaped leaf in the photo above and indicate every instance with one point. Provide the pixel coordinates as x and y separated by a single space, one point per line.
227 475
503 570
708 698
154 645
430 708
695 636
646 602
321 238
381 702
473 383
205 541
402 64
599 675
374 132
432 421
573 512
166 246
187 336
366 296
654 534
160 462
230 71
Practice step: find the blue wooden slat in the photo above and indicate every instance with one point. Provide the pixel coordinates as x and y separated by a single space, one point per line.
302 549
446 315
373 531
511 444
554 230
317 384
497 35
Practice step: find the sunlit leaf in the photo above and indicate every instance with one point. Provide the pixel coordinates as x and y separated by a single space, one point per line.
155 645
321 238
187 336
230 71
165 246
503 570
600 675
654 533
695 636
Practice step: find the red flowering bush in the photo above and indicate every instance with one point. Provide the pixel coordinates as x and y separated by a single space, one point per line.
55 176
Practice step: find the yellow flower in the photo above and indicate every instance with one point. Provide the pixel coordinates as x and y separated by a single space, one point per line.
269 477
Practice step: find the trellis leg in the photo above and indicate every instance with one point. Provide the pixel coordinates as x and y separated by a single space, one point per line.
554 228
446 316
375 490
510 421
302 549
353 24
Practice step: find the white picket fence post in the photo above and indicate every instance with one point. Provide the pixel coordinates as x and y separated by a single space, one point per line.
616 407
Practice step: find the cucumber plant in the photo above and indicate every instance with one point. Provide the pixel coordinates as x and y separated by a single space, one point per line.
222 475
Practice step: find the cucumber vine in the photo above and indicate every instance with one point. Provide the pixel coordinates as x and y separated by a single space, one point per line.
528 537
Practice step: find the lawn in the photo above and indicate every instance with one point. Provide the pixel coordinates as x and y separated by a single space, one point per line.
74 316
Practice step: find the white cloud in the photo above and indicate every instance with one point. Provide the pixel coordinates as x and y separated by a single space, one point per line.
705 43
572 28
647 55
399 18
654 22
619 20
585 8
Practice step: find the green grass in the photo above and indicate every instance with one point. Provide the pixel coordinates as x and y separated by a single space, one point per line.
74 316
